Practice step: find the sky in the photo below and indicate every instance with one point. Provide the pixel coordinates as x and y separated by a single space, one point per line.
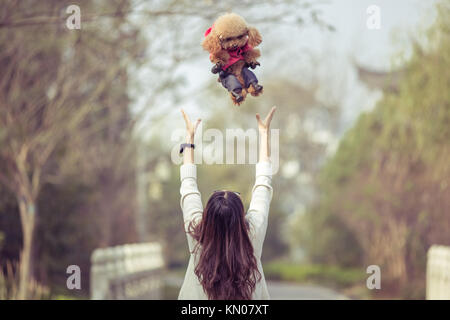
353 41
375 47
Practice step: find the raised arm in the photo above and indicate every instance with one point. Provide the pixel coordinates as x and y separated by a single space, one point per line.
190 201
258 211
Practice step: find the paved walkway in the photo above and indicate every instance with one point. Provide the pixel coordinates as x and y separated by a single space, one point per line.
286 291
292 291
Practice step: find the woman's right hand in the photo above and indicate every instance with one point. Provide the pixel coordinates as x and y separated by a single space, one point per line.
264 126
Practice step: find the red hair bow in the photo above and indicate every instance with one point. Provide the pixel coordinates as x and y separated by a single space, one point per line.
209 30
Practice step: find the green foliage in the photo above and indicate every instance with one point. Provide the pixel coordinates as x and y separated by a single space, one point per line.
326 239
389 182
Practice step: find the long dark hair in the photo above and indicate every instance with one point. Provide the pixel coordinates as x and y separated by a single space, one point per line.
226 268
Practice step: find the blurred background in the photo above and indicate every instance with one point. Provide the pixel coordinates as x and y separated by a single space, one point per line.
86 123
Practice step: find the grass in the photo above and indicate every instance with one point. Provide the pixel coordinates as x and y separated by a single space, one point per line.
333 276
59 292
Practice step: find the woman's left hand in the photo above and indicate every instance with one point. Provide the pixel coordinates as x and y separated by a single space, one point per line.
190 127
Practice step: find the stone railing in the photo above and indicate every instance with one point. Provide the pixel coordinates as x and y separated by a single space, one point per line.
438 273
132 271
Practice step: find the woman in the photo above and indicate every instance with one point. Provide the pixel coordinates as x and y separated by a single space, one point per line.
225 242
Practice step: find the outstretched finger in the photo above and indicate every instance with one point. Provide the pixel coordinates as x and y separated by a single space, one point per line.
258 118
197 123
186 119
270 115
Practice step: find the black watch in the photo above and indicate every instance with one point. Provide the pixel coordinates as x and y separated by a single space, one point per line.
186 145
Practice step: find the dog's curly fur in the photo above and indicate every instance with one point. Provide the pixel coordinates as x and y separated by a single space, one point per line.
231 25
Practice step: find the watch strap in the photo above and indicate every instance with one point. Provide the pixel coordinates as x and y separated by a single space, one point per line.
186 145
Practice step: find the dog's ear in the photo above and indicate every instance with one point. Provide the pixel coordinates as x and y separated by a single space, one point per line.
211 43
254 38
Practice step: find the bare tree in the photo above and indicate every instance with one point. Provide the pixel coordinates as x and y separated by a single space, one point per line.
51 86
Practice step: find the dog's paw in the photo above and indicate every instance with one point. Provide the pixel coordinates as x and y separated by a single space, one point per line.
255 90
255 94
254 64
237 100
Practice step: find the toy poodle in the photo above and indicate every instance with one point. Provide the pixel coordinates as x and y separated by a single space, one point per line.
231 42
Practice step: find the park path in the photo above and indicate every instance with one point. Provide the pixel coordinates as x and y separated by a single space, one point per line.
293 291
285 290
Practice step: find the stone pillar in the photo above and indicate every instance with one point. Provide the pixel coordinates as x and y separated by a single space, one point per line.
438 273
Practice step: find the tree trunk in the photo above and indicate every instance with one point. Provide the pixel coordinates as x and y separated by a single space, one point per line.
27 215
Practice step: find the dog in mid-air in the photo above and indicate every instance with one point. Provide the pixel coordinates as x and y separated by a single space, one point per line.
231 45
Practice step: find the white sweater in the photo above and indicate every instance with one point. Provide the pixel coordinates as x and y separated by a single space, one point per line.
257 216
